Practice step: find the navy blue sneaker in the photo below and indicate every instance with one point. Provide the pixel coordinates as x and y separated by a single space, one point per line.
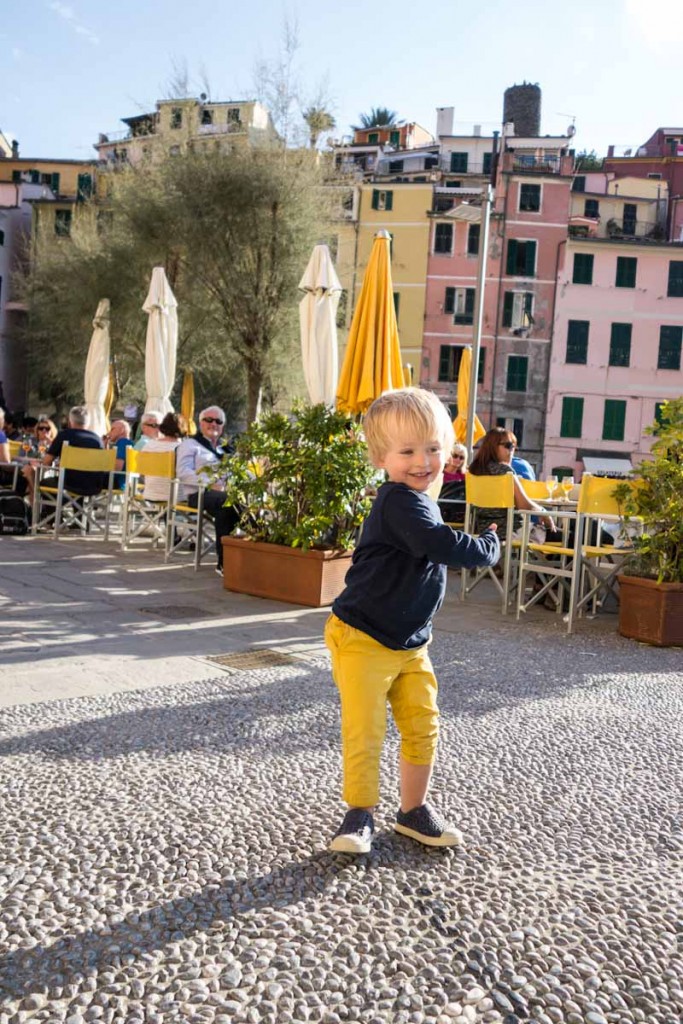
355 833
426 825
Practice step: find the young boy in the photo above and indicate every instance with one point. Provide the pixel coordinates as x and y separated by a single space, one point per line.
381 624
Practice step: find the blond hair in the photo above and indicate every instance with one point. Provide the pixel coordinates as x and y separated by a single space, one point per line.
406 410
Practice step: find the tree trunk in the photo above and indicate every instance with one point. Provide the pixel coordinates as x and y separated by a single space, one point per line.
254 394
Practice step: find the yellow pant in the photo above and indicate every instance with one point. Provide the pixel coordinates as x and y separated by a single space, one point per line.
367 675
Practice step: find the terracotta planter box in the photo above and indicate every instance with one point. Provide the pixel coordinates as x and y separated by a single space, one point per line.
651 612
313 578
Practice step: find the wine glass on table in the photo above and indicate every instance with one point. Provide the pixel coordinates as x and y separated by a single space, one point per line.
25 445
566 484
551 484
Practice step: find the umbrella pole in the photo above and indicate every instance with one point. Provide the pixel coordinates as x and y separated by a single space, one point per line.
478 315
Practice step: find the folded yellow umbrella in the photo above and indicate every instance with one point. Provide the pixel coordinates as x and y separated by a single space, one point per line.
111 395
187 401
460 421
372 361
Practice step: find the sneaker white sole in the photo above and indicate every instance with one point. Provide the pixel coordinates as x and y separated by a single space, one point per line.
451 837
350 844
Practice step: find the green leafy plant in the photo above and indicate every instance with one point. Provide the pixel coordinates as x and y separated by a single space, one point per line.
658 501
300 479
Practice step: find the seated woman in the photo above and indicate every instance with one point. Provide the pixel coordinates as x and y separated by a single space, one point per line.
172 429
43 434
494 458
451 498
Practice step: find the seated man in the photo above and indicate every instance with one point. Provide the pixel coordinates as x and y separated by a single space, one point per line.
119 438
149 429
205 449
78 436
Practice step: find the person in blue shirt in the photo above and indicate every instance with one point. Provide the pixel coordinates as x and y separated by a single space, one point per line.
381 624
522 468
119 438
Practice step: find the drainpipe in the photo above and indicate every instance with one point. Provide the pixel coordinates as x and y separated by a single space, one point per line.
502 236
551 344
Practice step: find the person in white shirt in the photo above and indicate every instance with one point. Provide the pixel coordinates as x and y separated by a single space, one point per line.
149 429
172 429
205 449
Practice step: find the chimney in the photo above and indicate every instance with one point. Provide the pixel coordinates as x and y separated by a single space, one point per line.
444 121
15 149
477 130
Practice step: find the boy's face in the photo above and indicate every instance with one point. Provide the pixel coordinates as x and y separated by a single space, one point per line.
416 462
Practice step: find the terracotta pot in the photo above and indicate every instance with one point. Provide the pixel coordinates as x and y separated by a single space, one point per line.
313 578
651 612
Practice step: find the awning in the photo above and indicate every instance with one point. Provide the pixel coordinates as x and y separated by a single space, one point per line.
597 465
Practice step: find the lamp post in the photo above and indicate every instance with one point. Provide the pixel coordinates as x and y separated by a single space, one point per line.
486 205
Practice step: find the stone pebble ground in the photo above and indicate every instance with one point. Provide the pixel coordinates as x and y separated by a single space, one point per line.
163 851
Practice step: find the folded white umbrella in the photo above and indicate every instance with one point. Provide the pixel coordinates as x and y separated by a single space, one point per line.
96 379
162 343
318 318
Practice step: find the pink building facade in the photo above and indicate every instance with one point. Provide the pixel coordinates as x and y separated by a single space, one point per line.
528 228
616 348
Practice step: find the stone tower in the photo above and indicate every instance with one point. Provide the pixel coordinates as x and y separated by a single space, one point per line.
522 105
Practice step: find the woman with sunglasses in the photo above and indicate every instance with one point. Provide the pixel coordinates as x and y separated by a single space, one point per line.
494 458
451 499
193 454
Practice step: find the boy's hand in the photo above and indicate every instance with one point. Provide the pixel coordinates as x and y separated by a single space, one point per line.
492 528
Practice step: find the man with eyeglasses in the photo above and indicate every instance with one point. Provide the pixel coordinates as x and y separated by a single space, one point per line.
149 429
205 449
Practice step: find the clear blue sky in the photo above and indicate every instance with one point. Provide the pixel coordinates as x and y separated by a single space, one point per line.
71 68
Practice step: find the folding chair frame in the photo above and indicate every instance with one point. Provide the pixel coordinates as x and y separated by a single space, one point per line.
188 524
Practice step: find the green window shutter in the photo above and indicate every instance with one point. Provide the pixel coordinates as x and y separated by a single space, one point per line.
444 354
528 306
16 177
577 341
488 157
35 177
449 301
473 234
395 138
388 200
373 138
659 411
469 303
626 271
529 259
482 365
84 186
459 162
518 367
620 345
511 266
675 288
572 417
54 183
614 420
583 268
669 357
508 300
375 199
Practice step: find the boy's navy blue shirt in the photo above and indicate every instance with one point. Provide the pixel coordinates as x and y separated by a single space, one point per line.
397 579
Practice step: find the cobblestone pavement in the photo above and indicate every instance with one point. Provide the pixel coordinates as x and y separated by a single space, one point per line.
163 846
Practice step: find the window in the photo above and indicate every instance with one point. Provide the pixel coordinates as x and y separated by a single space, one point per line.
629 225
675 288
572 417
521 260
626 271
233 115
395 166
62 223
443 238
530 198
459 163
453 183
583 268
16 177
449 363
431 161
591 208
84 190
373 138
517 309
655 175
473 233
443 203
449 301
614 420
518 368
515 425
382 200
669 348
482 365
394 138
207 116
176 117
463 307
620 345
2 237
579 183
577 341
488 159
397 303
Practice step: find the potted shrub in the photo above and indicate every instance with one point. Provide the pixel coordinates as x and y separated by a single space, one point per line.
651 586
300 483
